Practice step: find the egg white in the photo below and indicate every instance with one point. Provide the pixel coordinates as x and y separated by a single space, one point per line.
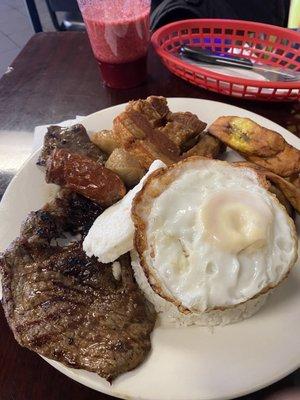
195 256
111 234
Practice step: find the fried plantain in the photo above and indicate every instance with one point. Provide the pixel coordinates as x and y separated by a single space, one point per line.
290 191
257 144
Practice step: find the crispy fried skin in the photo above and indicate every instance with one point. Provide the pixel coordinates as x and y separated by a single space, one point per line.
154 109
132 126
295 180
182 127
148 130
85 176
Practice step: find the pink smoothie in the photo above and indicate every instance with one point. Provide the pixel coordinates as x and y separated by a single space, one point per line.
119 35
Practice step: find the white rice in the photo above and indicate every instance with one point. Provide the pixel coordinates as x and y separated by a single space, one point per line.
169 315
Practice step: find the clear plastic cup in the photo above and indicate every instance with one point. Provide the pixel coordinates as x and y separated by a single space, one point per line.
119 35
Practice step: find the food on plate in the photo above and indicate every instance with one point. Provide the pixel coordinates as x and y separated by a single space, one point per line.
84 176
68 307
282 198
195 240
283 164
182 127
127 167
169 314
291 192
287 193
210 236
295 180
74 139
147 130
206 146
111 235
164 132
247 136
68 212
154 108
134 131
257 144
106 140
146 153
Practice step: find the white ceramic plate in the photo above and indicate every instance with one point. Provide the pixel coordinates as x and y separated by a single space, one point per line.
187 363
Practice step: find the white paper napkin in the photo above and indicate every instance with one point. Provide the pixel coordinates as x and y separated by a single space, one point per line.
40 131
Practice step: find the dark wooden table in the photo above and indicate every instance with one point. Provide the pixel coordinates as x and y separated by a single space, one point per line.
53 79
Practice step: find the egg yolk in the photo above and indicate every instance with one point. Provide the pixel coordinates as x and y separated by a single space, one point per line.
236 221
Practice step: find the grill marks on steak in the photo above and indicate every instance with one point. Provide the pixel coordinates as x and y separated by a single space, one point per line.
67 306
68 212
74 139
71 309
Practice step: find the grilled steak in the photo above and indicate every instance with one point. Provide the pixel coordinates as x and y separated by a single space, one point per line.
67 306
74 139
68 212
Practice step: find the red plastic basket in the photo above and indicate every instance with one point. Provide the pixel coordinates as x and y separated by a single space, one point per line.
261 43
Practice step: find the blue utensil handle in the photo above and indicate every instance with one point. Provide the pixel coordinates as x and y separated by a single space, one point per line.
215 57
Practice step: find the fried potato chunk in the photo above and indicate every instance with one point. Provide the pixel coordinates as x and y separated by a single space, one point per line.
257 144
127 167
106 140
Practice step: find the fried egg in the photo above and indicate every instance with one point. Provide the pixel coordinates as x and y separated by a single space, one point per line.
210 236
111 234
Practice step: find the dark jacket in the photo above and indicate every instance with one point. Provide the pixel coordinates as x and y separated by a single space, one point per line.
273 12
